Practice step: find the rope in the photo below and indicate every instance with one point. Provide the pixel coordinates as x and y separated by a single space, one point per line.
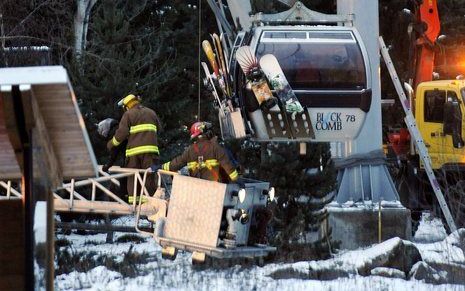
199 52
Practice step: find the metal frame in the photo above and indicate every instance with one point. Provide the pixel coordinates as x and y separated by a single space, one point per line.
299 14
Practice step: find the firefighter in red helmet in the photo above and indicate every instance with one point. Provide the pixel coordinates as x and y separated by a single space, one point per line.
205 158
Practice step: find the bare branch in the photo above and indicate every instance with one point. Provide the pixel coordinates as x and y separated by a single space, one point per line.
27 17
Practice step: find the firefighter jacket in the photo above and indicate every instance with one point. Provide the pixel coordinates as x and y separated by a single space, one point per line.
205 159
139 125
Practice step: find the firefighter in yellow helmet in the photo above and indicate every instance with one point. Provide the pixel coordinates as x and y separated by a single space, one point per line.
205 158
139 125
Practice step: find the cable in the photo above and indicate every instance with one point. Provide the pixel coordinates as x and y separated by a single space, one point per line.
199 52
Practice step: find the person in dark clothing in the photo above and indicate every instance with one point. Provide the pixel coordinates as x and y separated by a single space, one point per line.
107 128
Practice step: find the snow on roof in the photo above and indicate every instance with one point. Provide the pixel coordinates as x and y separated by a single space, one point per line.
33 75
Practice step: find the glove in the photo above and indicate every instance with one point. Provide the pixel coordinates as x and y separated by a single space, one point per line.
106 167
155 167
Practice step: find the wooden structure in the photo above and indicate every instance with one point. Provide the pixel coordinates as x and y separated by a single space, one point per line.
61 134
74 196
43 140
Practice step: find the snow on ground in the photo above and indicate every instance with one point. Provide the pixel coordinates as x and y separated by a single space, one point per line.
159 274
434 245
430 230
40 222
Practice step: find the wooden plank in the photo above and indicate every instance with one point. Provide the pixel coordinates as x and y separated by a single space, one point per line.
66 130
59 112
73 142
9 168
59 135
44 154
99 207
10 127
59 88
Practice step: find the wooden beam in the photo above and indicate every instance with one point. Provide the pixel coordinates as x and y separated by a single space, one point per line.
46 163
13 130
9 168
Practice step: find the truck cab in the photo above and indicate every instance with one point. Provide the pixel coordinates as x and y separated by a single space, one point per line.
439 112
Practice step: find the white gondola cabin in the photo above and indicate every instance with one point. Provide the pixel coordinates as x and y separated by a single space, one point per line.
328 69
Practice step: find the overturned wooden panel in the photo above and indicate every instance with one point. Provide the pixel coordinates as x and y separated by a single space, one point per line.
61 124
194 212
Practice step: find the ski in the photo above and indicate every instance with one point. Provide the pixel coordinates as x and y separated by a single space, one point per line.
207 48
278 81
209 83
222 63
225 51
255 77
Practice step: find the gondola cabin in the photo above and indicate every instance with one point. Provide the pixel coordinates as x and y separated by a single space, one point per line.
328 69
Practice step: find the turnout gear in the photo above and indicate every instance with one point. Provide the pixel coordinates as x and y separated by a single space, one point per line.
205 159
139 126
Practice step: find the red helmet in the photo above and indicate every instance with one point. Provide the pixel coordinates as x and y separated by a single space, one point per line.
199 128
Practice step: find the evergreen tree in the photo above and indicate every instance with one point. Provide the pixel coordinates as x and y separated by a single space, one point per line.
143 47
297 180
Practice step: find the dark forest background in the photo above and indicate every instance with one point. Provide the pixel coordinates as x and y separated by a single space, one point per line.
151 47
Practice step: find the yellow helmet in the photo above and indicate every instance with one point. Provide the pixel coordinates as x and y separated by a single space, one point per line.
128 99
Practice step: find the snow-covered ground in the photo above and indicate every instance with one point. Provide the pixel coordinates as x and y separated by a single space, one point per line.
159 274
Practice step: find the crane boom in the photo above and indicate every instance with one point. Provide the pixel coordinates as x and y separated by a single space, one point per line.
427 28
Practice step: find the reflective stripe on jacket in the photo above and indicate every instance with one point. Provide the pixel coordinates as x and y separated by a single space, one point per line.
139 125
204 159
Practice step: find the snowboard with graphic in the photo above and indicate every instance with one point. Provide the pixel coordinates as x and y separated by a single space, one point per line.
279 83
254 75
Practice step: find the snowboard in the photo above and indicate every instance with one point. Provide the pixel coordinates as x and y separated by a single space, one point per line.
278 81
256 78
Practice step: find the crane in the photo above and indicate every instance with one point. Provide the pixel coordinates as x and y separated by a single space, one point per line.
438 109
